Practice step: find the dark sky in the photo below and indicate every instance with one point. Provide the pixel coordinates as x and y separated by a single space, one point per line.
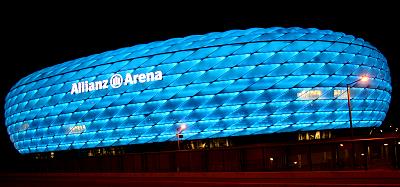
35 38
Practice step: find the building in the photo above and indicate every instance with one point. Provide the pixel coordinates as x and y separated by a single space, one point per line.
238 83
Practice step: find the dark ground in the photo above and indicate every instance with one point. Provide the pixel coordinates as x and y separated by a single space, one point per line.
316 178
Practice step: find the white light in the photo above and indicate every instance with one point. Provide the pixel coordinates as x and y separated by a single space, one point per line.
385 144
295 162
341 145
183 126
362 154
272 159
51 154
364 78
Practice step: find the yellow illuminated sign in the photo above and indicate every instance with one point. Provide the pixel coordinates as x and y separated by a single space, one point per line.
340 94
309 94
77 129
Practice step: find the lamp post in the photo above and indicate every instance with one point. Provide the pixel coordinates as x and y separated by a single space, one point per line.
362 79
179 133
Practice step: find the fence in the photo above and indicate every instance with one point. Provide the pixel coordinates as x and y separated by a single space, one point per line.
317 155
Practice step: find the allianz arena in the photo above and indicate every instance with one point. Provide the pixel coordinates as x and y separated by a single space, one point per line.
233 83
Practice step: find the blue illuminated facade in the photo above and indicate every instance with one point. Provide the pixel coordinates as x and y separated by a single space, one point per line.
233 83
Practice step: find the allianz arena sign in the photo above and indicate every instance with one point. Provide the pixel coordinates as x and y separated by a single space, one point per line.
116 81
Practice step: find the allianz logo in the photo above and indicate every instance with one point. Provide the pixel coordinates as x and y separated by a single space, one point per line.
115 81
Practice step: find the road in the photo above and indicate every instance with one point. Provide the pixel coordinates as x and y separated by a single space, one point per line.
315 178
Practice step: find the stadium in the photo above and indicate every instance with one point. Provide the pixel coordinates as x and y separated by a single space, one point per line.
238 83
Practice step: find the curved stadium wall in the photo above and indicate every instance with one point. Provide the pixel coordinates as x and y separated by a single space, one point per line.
233 83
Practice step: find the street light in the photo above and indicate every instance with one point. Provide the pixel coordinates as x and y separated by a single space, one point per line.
363 78
179 134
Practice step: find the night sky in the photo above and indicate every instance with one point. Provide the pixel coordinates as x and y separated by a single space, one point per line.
35 38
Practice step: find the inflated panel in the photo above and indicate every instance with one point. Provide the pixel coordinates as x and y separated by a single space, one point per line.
233 83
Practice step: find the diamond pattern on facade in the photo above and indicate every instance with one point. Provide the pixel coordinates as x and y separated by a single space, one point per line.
233 83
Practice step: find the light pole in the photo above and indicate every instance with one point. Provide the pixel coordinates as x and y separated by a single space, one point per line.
362 79
179 133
